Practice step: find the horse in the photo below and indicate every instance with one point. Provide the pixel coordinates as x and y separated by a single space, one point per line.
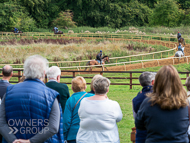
58 32
16 32
181 40
179 54
95 62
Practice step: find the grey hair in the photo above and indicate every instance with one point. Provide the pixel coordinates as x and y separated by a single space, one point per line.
53 72
146 78
101 85
7 70
187 83
93 79
35 66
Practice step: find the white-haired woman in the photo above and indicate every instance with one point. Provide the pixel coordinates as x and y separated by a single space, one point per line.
99 115
91 85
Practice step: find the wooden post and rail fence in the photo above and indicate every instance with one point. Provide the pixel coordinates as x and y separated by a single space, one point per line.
92 35
128 80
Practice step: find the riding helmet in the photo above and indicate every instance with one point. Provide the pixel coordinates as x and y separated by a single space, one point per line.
100 50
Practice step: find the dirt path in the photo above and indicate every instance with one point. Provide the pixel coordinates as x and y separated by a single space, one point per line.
160 62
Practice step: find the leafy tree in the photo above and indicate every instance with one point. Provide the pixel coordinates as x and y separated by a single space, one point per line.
166 13
64 20
14 15
186 19
183 4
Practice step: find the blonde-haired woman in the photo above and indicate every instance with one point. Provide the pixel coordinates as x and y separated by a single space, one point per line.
99 115
164 114
70 118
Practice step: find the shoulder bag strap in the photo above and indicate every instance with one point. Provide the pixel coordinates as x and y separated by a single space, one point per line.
189 112
78 101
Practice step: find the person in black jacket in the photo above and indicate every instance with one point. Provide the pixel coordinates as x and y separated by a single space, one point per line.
7 73
146 80
53 75
164 113
99 57
178 36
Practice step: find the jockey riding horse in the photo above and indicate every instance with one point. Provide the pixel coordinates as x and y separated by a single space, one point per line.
99 57
180 39
15 30
180 49
56 29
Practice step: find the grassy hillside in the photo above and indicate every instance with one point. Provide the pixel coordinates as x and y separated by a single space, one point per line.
75 50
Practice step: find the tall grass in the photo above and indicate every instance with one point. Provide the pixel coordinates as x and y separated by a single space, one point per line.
79 51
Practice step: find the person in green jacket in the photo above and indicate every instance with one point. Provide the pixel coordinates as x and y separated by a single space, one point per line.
53 75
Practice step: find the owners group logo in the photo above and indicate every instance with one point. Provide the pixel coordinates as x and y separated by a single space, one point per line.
28 126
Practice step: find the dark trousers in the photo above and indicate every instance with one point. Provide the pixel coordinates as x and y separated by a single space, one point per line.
141 136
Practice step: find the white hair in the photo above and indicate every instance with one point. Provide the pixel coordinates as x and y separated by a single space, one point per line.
101 85
35 66
53 72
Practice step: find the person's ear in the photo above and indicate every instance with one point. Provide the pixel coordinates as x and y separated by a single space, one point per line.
152 82
11 74
93 89
58 78
72 88
85 87
108 90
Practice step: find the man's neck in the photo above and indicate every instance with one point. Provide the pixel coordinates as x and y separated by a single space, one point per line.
6 78
52 79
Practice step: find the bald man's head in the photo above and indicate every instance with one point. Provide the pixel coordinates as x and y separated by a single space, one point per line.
7 70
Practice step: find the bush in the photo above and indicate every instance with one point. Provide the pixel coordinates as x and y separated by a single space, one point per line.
166 13
65 19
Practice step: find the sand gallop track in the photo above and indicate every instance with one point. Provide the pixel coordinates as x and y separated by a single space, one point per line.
155 63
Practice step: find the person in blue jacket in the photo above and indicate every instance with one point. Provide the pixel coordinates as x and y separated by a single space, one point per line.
164 113
71 118
15 30
56 29
180 48
31 108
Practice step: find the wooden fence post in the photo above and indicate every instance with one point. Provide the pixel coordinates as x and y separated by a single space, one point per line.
130 80
19 74
74 75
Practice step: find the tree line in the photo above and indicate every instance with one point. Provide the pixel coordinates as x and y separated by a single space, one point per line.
31 14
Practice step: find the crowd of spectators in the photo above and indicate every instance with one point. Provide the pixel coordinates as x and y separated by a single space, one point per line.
36 112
